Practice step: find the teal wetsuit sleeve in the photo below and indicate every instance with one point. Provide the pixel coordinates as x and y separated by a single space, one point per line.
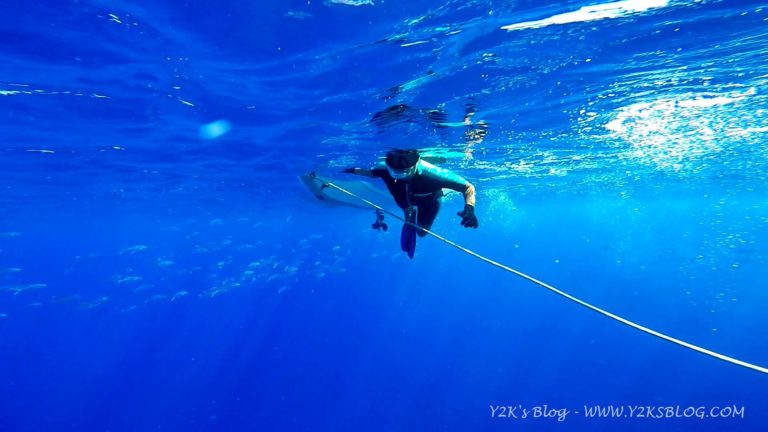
445 178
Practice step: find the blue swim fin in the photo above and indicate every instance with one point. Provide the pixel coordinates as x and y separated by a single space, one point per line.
408 233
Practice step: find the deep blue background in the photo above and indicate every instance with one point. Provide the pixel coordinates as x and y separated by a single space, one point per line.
151 279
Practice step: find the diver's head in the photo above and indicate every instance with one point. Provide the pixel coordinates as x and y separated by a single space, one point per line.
402 164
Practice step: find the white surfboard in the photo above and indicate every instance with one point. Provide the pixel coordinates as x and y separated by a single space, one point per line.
363 188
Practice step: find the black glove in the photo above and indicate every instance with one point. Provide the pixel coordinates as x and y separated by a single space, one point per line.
348 171
468 218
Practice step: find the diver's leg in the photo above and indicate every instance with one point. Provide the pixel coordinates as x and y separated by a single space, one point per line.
426 216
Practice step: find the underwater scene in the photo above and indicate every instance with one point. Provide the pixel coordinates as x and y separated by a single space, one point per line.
384 215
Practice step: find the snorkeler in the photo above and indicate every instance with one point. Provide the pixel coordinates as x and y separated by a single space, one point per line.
417 187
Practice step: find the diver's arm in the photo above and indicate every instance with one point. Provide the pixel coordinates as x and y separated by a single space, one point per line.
466 188
375 171
359 171
469 195
450 180
468 218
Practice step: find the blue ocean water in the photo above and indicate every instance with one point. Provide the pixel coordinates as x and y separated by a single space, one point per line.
163 268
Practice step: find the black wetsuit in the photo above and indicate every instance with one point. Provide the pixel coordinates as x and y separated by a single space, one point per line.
423 190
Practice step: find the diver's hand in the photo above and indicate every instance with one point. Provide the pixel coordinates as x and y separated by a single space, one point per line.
349 171
468 218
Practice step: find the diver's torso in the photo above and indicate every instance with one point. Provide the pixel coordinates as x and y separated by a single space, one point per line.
413 192
424 188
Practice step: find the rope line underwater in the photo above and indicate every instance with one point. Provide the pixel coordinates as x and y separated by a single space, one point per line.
603 312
